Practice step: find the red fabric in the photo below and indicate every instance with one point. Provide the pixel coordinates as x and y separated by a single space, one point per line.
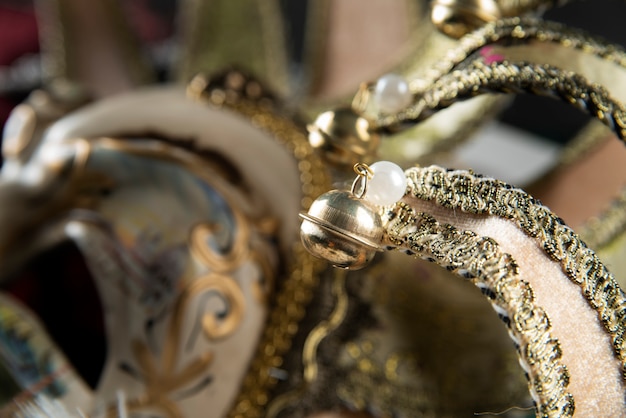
18 37
18 34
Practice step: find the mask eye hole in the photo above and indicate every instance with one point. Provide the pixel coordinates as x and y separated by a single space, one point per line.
57 286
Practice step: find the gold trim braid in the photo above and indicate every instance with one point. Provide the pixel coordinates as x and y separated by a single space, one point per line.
474 194
495 273
519 30
545 80
510 31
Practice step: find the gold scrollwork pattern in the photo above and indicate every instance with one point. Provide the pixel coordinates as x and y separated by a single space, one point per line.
218 261
465 191
165 376
162 377
495 273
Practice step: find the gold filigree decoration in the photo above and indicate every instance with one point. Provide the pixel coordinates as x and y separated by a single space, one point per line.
238 250
474 194
495 273
163 377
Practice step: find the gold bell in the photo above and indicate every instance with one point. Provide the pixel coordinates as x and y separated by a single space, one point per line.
343 136
456 18
342 227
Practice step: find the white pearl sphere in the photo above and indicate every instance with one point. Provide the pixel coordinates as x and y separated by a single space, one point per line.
392 94
387 184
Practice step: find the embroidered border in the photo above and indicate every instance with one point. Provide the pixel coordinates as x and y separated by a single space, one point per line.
495 273
475 194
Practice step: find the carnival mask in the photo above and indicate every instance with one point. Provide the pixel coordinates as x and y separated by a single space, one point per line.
183 203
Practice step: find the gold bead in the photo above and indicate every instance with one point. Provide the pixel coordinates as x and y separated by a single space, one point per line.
456 18
343 229
343 136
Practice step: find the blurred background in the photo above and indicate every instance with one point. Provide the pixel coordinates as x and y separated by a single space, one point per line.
154 22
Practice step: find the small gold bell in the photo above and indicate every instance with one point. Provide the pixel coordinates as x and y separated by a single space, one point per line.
456 18
343 136
343 229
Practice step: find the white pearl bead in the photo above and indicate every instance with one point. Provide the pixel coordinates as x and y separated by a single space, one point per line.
392 93
387 185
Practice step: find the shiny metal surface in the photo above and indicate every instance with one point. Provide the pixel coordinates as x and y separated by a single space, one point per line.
342 229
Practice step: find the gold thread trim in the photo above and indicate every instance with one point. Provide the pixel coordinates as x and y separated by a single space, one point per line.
543 80
470 193
495 273
514 29
519 29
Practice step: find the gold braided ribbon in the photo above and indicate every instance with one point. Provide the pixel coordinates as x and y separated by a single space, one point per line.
467 192
516 30
495 273
463 74
544 80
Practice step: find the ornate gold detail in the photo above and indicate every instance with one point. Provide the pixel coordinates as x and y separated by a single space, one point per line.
295 291
160 382
237 251
214 328
513 30
518 29
496 274
163 376
478 195
455 18
479 78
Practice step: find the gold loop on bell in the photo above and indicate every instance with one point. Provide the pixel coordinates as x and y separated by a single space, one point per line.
359 185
